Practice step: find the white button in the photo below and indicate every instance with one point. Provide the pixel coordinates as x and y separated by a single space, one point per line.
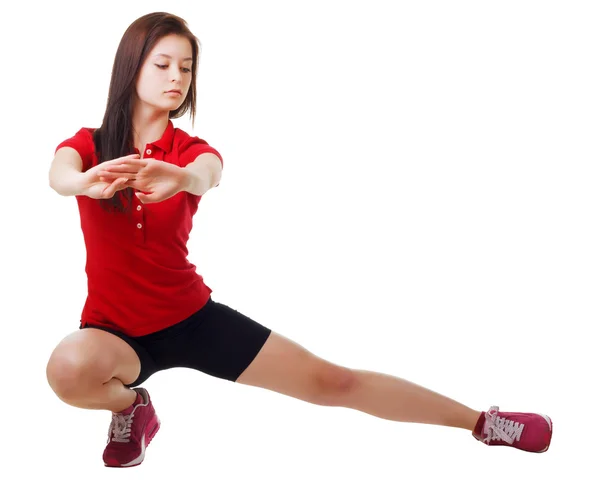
139 226
148 152
139 207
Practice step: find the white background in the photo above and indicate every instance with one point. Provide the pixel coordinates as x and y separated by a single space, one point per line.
409 187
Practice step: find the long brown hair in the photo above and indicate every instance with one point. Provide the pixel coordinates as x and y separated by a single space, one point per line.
114 138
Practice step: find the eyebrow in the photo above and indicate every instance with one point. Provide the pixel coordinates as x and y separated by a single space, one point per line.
168 56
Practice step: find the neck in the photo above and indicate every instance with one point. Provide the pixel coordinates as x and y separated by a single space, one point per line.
148 127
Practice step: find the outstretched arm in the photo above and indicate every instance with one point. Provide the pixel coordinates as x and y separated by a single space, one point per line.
203 173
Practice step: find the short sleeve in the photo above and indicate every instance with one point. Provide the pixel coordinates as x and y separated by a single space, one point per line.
192 147
83 143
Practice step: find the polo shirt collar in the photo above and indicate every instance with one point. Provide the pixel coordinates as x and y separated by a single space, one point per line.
165 143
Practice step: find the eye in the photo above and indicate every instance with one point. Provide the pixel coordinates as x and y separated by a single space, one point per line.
161 66
187 70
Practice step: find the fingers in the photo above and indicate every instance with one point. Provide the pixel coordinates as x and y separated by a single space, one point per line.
115 186
133 183
130 180
122 159
145 198
120 171
122 167
133 157
131 160
127 168
149 198
141 197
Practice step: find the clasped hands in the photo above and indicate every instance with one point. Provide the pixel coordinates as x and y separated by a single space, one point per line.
158 179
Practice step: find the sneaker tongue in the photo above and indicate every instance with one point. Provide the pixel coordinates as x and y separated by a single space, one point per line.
479 427
485 431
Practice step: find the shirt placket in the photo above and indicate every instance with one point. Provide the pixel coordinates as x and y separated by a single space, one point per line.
138 208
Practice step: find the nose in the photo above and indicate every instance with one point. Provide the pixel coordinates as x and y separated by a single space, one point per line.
176 74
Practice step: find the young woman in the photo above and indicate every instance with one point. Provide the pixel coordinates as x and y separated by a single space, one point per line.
138 181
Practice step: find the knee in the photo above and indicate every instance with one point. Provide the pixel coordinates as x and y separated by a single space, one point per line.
333 382
70 376
65 374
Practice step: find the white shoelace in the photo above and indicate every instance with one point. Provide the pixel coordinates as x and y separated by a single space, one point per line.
120 427
502 428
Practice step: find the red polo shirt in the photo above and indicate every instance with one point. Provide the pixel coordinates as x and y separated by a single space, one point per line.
139 278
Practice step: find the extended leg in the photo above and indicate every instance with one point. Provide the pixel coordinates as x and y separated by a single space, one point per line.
286 367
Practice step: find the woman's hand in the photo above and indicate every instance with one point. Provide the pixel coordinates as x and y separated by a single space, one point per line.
97 187
158 179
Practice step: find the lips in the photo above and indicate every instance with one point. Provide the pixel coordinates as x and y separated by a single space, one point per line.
175 91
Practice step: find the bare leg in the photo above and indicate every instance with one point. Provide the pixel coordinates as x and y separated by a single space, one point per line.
112 395
87 370
288 368
392 398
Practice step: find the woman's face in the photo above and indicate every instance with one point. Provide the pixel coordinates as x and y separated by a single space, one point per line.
167 68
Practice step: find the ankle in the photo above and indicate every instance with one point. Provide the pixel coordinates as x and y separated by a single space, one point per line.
478 424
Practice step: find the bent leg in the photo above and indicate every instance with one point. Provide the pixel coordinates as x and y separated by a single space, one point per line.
90 368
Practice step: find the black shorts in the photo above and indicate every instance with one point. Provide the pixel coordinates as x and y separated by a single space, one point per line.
216 340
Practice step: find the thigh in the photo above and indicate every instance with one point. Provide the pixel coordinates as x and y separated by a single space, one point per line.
216 340
286 367
95 355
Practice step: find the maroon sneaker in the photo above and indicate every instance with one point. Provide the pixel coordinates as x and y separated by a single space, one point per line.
530 432
130 432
